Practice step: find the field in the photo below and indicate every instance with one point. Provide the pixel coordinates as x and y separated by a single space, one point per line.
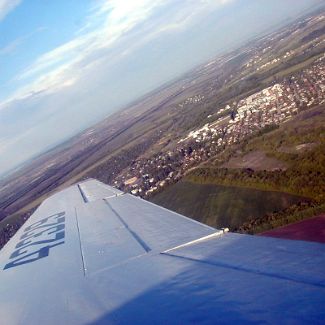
298 144
312 229
222 206
257 160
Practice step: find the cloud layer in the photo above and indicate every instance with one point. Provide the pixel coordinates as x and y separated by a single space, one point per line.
110 25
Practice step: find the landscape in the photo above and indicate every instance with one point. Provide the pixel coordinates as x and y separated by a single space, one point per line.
238 142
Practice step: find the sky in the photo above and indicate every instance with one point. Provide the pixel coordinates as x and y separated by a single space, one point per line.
65 65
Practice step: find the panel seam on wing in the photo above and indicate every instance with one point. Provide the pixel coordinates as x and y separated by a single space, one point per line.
141 242
81 251
83 195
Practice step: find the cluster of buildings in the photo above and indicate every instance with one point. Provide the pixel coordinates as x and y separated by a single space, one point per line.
191 100
258 58
307 44
150 175
271 106
276 60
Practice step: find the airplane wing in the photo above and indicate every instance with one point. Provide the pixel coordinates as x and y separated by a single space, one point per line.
91 254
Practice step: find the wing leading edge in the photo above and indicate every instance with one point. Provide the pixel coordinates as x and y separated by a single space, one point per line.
92 254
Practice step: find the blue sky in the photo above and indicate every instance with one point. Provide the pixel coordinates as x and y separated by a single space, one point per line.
66 64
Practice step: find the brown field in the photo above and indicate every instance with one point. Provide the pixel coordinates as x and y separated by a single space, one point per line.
257 160
312 229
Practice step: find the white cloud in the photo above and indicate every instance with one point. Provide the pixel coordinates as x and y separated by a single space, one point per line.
6 6
108 23
60 67
11 47
120 17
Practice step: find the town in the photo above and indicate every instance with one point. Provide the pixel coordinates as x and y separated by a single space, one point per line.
229 125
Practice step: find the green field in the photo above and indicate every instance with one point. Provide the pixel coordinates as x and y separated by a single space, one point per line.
299 144
222 206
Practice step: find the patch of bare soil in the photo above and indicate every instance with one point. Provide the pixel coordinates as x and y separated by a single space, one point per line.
256 160
301 148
